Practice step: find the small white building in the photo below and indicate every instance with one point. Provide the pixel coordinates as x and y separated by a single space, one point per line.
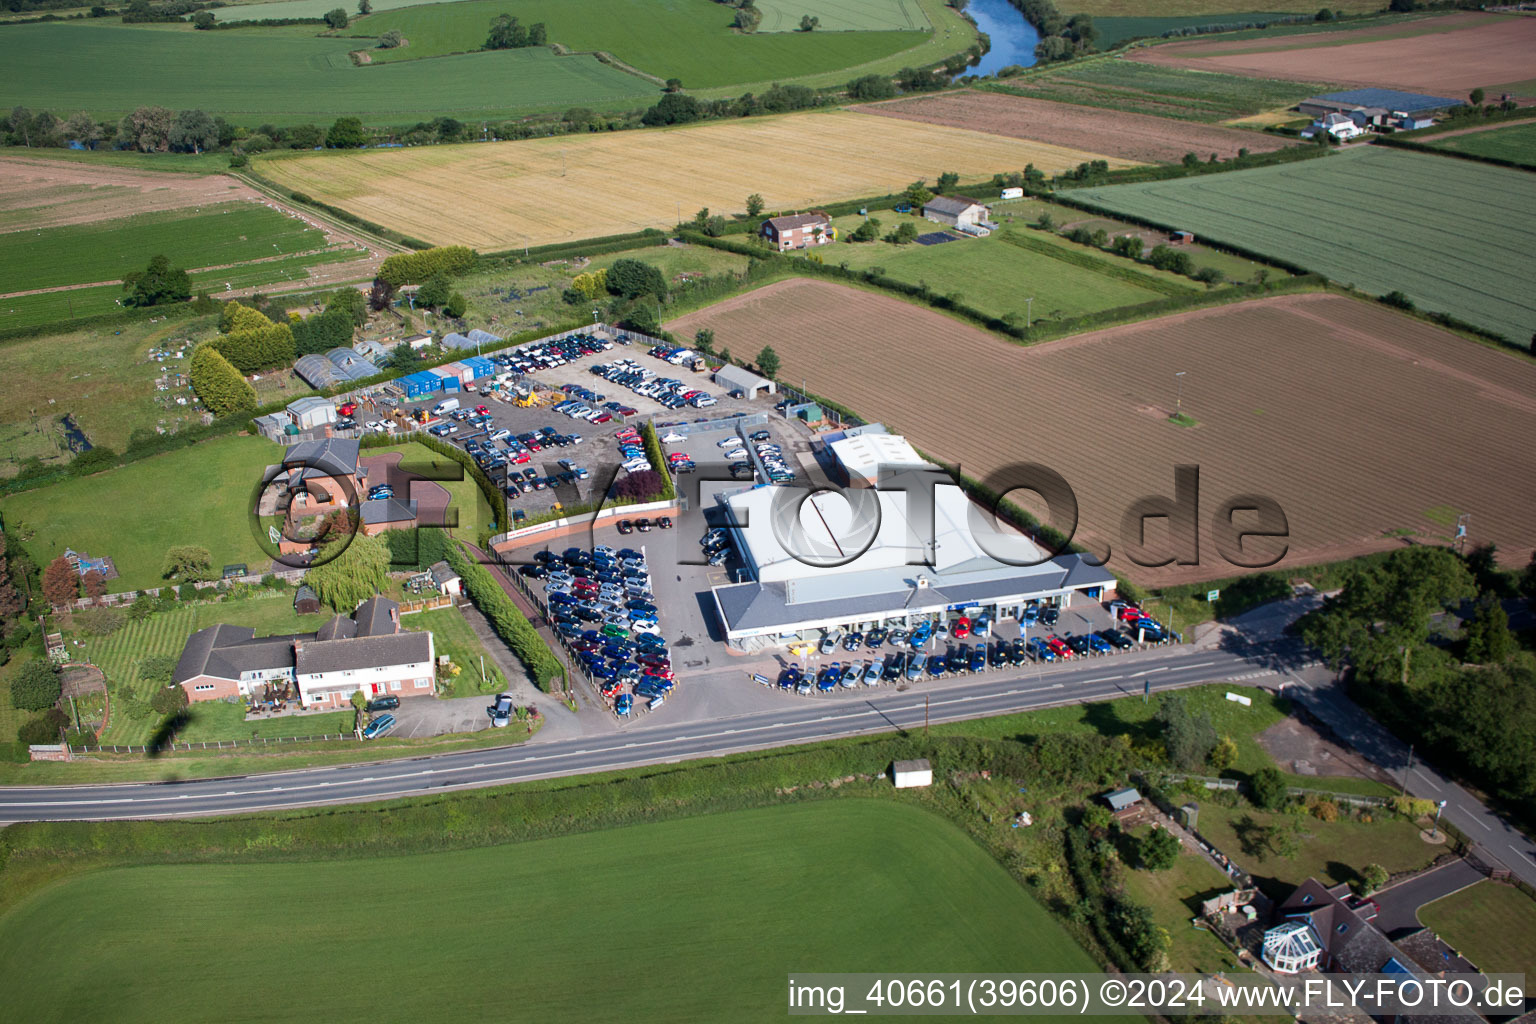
860 456
311 412
912 774
446 580
1012 193
1340 126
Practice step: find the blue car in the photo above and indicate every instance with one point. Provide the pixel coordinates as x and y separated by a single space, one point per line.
379 726
624 704
827 680
982 626
920 636
978 658
790 679
1040 650
937 666
1097 644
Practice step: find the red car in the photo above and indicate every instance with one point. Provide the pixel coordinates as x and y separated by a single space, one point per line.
347 408
1058 646
612 689
961 629
678 457
482 410
1130 613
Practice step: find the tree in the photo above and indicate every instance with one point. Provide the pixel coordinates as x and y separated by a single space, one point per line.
947 180
905 232
193 131
346 133
631 278
809 23
61 584
917 193
21 124
1267 789
382 295
1488 639
81 128
754 205
747 17
217 384
1476 96
1053 48
364 7
391 40
187 563
704 340
674 85
1158 850
1189 736
506 34
1209 276
1372 878
94 583
871 87
168 700
1323 15
1046 222
768 362
1224 755
867 231
455 306
10 597
157 668
35 686
351 577
157 284
336 18
147 129
673 108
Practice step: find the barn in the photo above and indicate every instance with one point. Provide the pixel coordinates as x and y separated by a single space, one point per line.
960 212
734 378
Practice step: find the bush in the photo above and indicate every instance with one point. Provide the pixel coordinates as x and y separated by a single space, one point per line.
36 686
1267 789
1158 850
871 87
44 728
1372 878
167 700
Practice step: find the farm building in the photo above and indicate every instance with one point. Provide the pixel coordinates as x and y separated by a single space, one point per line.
1180 237
306 601
932 564
366 651
734 378
960 212
1385 99
861 453
420 384
798 230
1340 126
351 365
312 411
318 371
912 774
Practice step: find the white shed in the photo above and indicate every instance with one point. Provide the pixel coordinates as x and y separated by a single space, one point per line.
912 774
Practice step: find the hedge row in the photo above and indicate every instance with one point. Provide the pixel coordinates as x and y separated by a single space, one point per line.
602 243
658 461
124 316
416 267
1168 172
510 624
389 234
1425 147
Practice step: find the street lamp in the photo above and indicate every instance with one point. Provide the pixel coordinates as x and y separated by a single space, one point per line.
1435 831
1178 405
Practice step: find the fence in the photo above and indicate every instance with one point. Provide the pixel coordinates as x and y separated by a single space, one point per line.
128 597
1211 782
183 745
527 533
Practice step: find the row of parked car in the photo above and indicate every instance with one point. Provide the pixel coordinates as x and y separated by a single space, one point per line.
547 355
667 391
602 607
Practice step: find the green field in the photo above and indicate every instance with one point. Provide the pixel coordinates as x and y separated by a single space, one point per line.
843 15
1492 925
1517 143
107 250
1120 84
200 495
1114 31
694 919
1454 236
1175 896
687 39
254 75
997 274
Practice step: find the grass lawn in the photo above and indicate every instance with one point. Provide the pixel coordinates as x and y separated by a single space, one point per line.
997 274
1175 896
741 900
1517 143
1469 248
118 656
1492 925
106 383
107 250
11 718
257 75
216 720
687 39
1332 852
199 495
452 636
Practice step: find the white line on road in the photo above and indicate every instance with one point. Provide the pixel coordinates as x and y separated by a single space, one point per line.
1432 783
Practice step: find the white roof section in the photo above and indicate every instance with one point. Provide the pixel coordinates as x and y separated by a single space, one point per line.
863 454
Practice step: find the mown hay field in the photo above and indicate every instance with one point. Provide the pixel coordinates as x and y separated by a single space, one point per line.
507 195
1359 421
1454 236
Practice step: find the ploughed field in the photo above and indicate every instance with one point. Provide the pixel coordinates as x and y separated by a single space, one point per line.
696 919
1454 236
506 195
1442 56
1357 420
1116 133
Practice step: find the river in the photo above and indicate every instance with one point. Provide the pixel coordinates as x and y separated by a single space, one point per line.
1013 38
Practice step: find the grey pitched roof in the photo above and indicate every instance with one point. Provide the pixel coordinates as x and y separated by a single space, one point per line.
797 220
309 403
341 627
387 510
731 376
200 647
954 205
483 337
333 456
225 651
360 652
376 616
305 593
1120 799
443 573
317 371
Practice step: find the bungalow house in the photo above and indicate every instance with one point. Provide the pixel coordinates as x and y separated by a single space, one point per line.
960 212
1340 126
799 230
365 651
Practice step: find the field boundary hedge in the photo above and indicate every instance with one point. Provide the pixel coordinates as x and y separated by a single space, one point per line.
1170 172
1394 142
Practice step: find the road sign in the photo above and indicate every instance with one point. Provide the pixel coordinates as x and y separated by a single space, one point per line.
1212 595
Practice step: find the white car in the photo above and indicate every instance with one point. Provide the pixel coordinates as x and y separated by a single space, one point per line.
372 424
729 442
645 627
501 435
673 437
736 453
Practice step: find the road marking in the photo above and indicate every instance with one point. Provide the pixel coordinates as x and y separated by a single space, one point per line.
1525 855
1483 823
1432 784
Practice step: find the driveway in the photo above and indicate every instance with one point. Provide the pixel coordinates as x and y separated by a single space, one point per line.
1400 903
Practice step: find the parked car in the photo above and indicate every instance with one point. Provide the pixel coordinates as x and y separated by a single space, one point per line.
501 711
386 703
829 642
1115 638
962 628
379 726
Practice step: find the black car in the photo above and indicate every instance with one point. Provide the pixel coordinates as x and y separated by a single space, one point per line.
1048 616
875 638
1115 638
1001 655
383 704
895 667
1079 645
956 658
1018 651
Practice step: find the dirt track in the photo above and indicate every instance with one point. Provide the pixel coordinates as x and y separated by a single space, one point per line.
1113 133
1358 421
1473 50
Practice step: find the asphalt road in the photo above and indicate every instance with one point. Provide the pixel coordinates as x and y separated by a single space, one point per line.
802 722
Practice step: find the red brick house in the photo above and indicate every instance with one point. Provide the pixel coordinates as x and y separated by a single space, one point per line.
798 231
